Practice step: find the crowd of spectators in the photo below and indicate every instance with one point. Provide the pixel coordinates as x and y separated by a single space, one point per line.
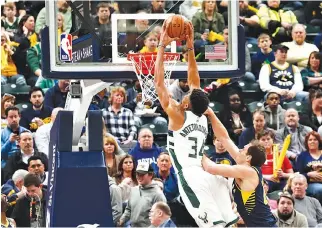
143 185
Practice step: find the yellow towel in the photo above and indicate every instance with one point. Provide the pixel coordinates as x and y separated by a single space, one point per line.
145 50
212 37
223 81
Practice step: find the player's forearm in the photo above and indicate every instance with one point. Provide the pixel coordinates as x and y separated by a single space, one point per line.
159 67
217 127
193 74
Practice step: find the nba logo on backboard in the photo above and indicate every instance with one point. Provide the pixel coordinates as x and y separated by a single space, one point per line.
66 51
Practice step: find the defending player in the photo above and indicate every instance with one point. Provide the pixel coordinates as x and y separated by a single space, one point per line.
206 197
248 190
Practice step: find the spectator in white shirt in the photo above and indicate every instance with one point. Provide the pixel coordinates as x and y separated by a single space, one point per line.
299 50
42 135
283 78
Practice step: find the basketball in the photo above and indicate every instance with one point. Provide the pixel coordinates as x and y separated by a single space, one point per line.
176 26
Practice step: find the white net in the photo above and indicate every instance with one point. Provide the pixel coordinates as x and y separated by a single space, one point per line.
144 64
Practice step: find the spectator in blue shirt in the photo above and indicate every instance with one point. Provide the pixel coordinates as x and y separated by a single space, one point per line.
264 56
309 163
146 150
167 175
10 134
38 114
220 155
56 96
100 101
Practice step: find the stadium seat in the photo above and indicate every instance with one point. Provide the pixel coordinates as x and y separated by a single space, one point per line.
23 106
312 32
249 86
157 129
251 90
255 105
216 106
161 142
274 195
208 149
311 29
15 89
298 106
252 45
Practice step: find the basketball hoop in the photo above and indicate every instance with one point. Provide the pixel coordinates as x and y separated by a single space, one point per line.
144 64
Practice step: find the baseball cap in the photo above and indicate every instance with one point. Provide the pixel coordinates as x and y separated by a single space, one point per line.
286 195
144 168
280 47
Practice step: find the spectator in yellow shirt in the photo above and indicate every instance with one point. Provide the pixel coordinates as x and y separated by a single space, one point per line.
150 43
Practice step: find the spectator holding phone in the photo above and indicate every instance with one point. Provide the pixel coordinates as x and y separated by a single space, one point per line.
10 134
207 22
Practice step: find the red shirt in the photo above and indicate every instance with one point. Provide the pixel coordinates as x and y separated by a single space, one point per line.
267 168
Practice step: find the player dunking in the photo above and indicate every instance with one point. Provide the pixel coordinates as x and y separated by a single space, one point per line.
206 197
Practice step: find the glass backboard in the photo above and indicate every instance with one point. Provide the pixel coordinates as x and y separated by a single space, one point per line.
102 35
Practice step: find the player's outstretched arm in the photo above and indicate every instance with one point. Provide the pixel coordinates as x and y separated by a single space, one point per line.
162 91
235 171
222 134
193 74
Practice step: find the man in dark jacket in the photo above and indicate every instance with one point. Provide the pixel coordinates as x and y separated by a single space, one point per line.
14 189
56 96
102 27
30 211
38 114
19 160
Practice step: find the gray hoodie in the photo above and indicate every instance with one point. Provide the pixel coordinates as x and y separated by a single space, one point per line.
116 200
274 120
140 203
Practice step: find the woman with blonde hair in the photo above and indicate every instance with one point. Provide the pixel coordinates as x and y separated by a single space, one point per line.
110 148
9 71
208 23
60 26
